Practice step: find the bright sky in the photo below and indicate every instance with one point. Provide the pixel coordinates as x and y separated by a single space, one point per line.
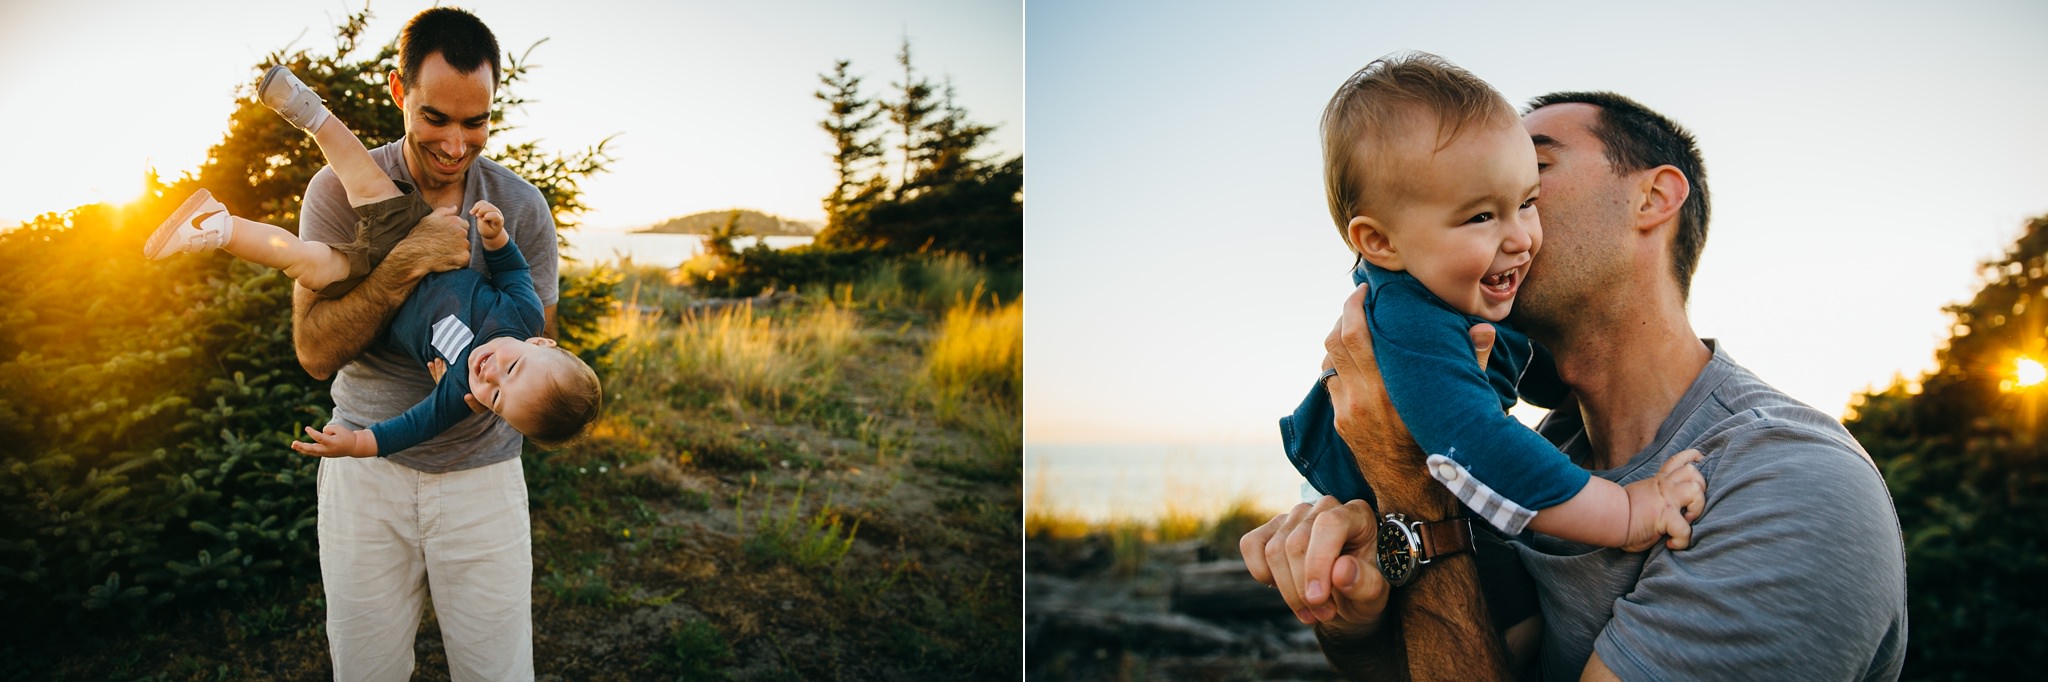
713 98
1183 270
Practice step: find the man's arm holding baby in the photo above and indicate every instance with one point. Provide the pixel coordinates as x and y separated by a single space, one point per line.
1321 557
329 333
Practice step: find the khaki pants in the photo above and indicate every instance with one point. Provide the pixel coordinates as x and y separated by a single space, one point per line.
390 534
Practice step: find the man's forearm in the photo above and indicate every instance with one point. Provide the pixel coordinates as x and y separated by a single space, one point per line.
328 333
1365 652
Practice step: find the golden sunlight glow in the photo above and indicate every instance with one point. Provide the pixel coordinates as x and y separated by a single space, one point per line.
2027 373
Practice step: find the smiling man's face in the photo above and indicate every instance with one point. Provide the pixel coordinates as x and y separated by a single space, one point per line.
447 121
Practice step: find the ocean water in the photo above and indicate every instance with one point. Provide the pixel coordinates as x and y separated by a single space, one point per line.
1144 481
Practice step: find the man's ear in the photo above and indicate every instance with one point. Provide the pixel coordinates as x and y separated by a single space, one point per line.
397 89
1663 190
1369 239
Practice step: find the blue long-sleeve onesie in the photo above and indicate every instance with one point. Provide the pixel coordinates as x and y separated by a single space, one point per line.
1455 410
449 314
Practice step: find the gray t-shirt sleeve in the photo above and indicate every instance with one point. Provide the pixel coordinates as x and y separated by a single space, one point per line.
1796 569
325 215
532 226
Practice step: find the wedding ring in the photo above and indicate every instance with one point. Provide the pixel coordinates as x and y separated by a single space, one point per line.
1325 378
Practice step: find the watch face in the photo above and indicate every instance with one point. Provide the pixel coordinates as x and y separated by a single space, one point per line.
1397 547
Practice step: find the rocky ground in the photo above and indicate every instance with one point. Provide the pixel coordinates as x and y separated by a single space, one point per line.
1175 611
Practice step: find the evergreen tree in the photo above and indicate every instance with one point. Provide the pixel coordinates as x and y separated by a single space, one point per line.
947 199
908 112
1961 450
848 120
947 150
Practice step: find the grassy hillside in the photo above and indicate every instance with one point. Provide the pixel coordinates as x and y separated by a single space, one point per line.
828 489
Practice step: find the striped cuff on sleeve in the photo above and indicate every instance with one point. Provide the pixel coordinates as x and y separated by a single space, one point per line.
1502 512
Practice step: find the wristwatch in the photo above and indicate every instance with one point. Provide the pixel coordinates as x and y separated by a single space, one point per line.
1405 547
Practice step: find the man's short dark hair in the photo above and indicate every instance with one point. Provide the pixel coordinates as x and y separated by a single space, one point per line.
461 38
1640 139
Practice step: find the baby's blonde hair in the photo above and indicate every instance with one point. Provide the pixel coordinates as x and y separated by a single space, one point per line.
1391 97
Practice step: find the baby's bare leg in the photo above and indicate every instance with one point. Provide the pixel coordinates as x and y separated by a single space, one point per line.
360 175
312 264
361 178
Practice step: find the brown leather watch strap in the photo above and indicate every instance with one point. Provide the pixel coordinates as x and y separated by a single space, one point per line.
1444 538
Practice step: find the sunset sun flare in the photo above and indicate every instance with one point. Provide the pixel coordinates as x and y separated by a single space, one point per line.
2028 373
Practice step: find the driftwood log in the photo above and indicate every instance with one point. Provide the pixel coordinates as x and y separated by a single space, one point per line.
1223 589
712 306
1159 631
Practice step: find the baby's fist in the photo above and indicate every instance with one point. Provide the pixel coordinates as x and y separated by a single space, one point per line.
490 222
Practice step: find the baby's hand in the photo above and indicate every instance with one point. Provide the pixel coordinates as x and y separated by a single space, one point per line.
490 224
1666 504
337 441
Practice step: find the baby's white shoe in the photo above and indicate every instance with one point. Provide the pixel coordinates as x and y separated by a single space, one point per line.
199 224
284 93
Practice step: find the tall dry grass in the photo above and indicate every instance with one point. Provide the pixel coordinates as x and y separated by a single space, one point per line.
930 282
979 350
739 353
1219 530
975 367
763 358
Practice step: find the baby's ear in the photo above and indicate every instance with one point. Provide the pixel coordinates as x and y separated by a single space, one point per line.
474 406
1369 238
542 341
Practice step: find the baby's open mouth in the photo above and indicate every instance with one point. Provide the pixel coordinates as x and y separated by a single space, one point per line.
1504 281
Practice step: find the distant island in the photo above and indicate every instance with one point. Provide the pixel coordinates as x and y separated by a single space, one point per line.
752 223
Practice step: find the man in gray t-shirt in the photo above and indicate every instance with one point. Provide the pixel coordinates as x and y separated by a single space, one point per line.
1797 569
381 382
450 513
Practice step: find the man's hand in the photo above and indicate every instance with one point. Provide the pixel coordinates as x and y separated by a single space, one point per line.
1320 559
490 224
338 441
330 333
439 243
438 368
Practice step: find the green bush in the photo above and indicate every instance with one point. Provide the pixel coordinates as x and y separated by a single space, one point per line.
697 651
147 408
1961 450
759 268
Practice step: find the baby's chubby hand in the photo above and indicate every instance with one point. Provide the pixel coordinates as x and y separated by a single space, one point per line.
490 224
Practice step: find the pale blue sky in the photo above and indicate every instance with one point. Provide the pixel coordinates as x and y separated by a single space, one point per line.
1183 270
713 98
